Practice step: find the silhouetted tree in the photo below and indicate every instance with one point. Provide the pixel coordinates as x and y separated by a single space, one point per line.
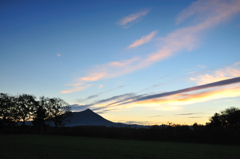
7 113
229 118
59 111
215 121
25 104
40 114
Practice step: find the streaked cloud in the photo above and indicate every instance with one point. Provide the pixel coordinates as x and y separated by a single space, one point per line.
195 117
172 101
151 87
218 75
94 76
143 40
127 21
79 107
115 98
155 116
214 10
102 105
75 84
191 89
187 114
132 123
100 86
183 39
75 89
190 98
90 97
98 94
110 70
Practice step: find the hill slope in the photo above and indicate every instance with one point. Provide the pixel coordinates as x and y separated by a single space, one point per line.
88 117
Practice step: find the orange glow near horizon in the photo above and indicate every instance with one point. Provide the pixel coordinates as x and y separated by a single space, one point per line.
187 98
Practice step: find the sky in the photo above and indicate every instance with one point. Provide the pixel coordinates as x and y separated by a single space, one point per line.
132 61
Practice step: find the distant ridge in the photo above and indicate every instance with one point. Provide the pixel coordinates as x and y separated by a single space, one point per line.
88 118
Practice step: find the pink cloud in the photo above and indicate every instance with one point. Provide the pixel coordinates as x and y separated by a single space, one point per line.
143 40
216 10
100 86
123 63
94 76
179 40
75 89
132 18
218 75
174 42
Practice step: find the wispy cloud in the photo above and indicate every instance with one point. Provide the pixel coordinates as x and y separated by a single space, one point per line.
90 97
187 114
155 116
180 95
127 21
171 101
182 39
137 122
195 117
116 98
215 10
151 87
94 76
188 98
179 40
75 89
98 94
174 102
143 40
58 55
110 70
79 107
102 105
218 75
75 84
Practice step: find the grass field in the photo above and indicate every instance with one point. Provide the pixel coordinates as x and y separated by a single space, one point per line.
63 147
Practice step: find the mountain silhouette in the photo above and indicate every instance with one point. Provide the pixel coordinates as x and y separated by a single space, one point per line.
88 118
83 118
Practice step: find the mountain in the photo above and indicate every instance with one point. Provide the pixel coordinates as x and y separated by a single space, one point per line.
89 118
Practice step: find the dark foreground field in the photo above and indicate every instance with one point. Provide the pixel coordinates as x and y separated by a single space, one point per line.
62 147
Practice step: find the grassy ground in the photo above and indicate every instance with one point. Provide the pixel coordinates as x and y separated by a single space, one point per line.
62 147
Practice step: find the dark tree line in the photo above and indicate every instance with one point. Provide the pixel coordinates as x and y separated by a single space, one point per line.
223 128
25 107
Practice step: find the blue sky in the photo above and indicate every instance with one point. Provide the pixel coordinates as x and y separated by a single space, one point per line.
119 58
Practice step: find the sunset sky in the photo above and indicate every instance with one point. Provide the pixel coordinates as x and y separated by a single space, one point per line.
131 61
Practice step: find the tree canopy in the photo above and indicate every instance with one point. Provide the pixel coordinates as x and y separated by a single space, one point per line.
229 118
25 107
